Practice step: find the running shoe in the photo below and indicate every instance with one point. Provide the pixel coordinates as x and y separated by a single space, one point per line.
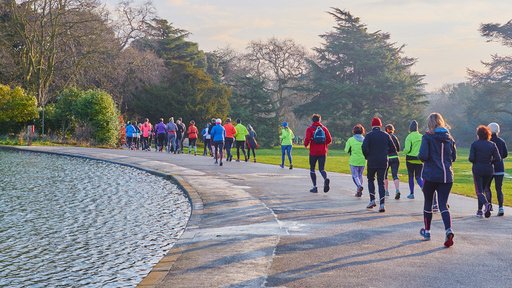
314 190
381 208
425 234
387 193
448 241
282 166
291 166
487 212
410 196
326 185
479 214
435 208
220 164
359 192
397 195
501 211
371 204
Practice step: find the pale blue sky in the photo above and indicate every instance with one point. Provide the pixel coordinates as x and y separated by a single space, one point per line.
443 35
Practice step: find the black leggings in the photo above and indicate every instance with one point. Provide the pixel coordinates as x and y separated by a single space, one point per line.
393 163
219 146
380 182
228 145
498 184
240 145
321 167
414 172
481 182
160 138
443 192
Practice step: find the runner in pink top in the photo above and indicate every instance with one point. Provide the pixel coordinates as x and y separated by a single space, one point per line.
146 130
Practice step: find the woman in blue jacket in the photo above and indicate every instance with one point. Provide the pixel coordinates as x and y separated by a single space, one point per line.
437 151
483 154
218 134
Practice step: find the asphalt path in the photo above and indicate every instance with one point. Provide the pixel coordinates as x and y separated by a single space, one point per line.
256 225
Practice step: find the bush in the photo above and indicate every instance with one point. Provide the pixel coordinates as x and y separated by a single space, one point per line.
16 108
97 111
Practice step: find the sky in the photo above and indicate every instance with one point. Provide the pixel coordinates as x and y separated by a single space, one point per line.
442 34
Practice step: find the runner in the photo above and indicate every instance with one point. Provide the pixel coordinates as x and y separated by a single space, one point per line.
499 167
192 137
130 131
206 140
218 135
252 144
393 162
437 151
160 131
230 137
286 138
180 131
376 146
146 132
411 150
356 161
317 138
483 154
183 130
241 133
171 135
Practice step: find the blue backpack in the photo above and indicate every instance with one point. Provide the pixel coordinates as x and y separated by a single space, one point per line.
319 135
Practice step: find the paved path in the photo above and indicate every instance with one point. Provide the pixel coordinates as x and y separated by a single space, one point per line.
256 225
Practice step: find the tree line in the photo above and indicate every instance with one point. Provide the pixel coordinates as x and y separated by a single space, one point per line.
148 68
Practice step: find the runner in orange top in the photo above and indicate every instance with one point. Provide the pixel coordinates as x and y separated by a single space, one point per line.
230 137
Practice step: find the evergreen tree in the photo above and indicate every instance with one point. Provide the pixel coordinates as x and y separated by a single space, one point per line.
358 74
253 105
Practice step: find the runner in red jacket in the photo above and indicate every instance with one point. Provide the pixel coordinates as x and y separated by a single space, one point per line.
317 142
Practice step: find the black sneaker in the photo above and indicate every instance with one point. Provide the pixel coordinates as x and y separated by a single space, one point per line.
326 185
291 166
397 195
314 190
381 208
359 192
487 210
220 164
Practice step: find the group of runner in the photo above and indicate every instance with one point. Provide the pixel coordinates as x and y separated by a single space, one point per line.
216 137
429 157
429 160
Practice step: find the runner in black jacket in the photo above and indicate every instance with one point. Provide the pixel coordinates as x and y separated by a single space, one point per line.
499 168
375 147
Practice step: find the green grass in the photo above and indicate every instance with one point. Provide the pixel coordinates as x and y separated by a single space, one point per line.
337 161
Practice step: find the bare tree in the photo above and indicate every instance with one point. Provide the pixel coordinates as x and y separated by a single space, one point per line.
282 65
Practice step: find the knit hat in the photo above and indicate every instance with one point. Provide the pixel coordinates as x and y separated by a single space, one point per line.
495 127
285 124
413 126
376 122
218 121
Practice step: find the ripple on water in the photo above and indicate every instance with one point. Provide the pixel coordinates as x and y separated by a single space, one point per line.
76 222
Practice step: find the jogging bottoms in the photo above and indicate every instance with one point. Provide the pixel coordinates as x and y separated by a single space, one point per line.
498 184
357 175
481 182
286 149
240 145
380 182
443 192
414 172
228 144
393 163
219 146
321 167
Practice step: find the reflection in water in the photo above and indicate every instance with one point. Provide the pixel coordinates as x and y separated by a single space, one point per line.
75 222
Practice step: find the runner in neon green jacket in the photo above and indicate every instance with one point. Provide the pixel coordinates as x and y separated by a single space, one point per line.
411 150
286 143
241 133
357 160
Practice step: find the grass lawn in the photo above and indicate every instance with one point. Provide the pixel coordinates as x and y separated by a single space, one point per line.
337 161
